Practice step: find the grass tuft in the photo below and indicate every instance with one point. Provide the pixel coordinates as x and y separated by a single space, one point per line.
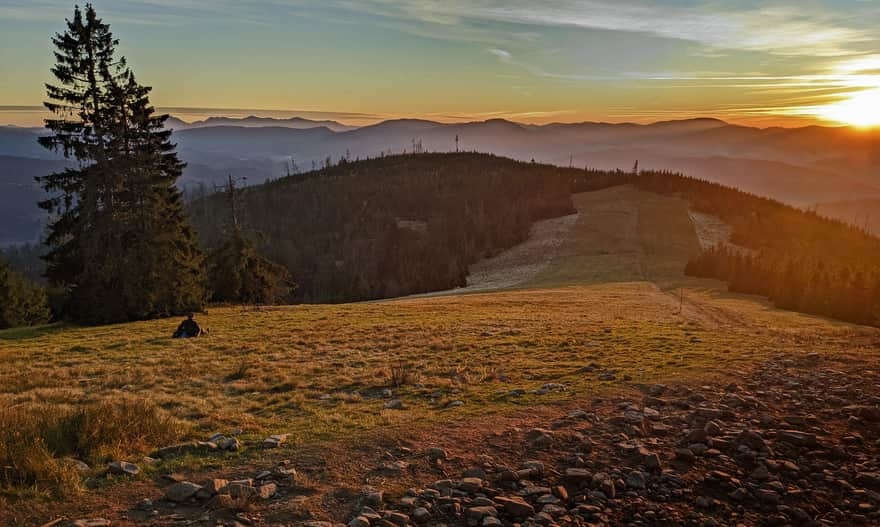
402 374
38 442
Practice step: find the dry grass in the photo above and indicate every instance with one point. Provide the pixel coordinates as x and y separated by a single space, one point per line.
318 371
39 442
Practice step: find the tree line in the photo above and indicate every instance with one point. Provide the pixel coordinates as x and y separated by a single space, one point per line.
796 258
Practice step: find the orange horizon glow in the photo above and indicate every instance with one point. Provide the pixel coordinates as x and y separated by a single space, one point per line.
528 61
846 113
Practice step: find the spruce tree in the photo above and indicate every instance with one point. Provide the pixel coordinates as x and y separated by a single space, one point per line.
236 270
84 60
119 238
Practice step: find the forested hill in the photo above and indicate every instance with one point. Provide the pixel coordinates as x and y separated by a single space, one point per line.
393 225
798 259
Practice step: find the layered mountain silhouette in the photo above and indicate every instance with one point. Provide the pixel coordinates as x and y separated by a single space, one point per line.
799 166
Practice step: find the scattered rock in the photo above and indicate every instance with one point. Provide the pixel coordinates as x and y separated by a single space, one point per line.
180 492
275 441
394 404
124 468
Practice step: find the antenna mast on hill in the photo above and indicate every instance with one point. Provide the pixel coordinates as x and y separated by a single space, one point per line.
456 143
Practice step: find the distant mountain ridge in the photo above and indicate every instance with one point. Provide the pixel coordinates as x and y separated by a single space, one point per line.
799 166
297 123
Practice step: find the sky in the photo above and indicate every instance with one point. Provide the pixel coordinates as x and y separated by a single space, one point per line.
763 63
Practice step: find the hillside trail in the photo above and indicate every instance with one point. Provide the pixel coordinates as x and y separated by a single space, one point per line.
618 235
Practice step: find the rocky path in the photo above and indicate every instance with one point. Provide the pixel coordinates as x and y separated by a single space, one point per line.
795 445
794 442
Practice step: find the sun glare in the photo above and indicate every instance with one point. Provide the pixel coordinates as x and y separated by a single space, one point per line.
862 110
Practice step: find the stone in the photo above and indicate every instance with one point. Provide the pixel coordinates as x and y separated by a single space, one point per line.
241 490
685 454
81 466
372 497
539 438
212 487
797 438
478 513
275 441
751 439
657 390
542 518
739 494
180 492
394 467
535 467
577 475
560 492
636 480
124 468
515 506
712 428
470 485
398 518
267 491
698 435
870 480
650 459
230 444
359 521
394 404
421 515
176 450
435 454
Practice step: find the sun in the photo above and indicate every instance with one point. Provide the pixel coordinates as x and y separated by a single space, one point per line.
861 109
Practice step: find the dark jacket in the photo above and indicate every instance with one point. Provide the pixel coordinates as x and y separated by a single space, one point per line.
188 328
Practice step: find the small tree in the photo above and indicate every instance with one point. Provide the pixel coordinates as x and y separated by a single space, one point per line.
236 270
22 302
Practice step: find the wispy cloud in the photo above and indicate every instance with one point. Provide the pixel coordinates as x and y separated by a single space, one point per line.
785 30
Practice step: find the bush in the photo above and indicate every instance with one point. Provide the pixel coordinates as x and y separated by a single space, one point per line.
22 302
38 441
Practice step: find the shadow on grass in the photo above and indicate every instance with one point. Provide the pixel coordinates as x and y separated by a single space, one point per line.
31 332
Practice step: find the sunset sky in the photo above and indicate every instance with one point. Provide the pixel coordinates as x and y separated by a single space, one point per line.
748 61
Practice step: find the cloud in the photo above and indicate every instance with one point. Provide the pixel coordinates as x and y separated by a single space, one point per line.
792 30
503 56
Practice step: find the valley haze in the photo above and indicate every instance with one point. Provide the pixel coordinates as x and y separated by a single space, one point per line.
805 167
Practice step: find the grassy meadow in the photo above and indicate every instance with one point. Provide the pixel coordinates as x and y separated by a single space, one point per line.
319 372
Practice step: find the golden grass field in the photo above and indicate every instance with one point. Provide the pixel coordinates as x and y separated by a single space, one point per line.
317 372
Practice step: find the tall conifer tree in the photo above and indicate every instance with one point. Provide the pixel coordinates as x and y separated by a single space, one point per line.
119 238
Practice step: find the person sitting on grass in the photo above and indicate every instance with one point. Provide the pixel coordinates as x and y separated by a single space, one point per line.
189 328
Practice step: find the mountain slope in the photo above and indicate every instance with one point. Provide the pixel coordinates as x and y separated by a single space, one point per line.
21 221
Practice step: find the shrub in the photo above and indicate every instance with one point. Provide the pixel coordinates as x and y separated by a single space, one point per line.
22 302
37 441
